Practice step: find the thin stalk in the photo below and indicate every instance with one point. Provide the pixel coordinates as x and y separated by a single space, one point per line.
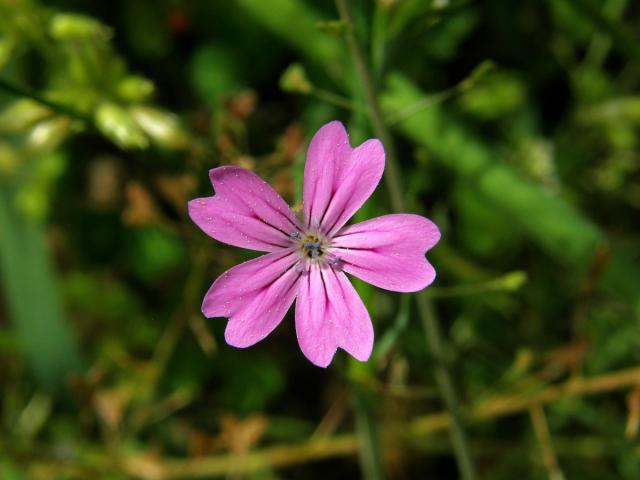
433 336
19 91
506 283
370 458
392 176
429 320
434 99
543 437
330 97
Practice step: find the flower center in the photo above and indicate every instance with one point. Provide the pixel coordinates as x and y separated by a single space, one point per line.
313 248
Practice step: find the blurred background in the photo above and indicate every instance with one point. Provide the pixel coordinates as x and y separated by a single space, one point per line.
515 128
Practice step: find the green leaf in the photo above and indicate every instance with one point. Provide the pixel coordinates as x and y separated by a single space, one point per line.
553 223
46 338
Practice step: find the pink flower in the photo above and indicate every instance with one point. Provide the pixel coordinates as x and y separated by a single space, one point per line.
308 258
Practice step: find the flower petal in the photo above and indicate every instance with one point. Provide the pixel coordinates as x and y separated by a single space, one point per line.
337 178
329 150
389 251
254 295
358 179
331 315
245 211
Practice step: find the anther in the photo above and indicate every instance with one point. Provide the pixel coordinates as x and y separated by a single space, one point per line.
333 260
313 249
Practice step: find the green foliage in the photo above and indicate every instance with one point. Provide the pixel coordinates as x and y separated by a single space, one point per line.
515 126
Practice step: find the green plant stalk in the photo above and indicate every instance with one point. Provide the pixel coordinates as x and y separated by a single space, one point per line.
428 316
391 175
334 99
368 450
18 91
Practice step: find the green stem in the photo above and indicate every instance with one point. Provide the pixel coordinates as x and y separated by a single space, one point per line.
446 388
331 97
429 319
392 176
429 101
370 458
18 91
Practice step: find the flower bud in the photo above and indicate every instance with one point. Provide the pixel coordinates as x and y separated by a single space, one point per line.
134 89
294 80
162 127
118 125
67 26
512 281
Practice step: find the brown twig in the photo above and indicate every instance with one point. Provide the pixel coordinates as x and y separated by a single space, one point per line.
347 444
543 436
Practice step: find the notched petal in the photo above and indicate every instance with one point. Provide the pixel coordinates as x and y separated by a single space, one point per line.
389 251
338 179
254 295
245 211
331 315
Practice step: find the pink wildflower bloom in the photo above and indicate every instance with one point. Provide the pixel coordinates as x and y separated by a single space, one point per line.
307 259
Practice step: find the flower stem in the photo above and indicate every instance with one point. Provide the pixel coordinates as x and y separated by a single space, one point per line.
425 309
447 390
368 441
392 176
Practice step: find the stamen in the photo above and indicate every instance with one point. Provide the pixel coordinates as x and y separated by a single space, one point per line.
333 260
313 249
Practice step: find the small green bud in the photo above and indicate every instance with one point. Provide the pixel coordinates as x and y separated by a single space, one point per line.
118 125
68 26
134 89
163 127
512 281
294 80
